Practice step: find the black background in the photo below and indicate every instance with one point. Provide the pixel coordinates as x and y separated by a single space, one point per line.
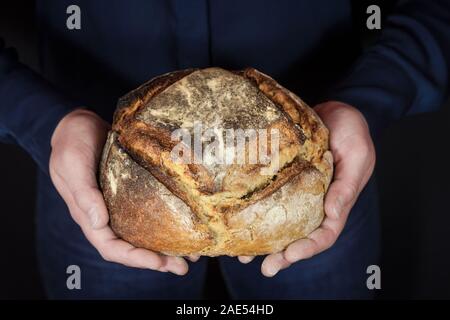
412 170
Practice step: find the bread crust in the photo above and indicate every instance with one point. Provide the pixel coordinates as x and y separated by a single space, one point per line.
154 206
142 210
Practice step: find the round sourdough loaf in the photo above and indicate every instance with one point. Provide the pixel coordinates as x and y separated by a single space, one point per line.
207 208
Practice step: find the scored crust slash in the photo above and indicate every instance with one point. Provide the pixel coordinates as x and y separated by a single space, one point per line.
230 209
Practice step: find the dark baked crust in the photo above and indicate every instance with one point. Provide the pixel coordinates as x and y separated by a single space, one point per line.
139 210
129 103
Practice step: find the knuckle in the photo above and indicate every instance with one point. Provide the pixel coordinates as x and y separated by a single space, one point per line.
329 244
332 237
82 198
78 194
329 238
126 255
66 154
365 149
63 159
105 255
85 192
55 159
350 190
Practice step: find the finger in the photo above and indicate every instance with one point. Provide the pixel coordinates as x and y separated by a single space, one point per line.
245 259
319 240
116 250
273 263
193 258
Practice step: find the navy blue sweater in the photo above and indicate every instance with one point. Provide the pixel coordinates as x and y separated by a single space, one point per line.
310 46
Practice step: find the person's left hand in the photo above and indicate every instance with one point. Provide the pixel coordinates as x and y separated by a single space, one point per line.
354 160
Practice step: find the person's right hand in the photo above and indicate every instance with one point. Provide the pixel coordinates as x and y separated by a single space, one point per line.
77 144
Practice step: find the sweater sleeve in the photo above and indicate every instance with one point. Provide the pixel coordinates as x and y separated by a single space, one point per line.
407 70
30 108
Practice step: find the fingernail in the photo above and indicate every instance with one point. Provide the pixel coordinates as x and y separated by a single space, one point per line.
338 207
93 217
